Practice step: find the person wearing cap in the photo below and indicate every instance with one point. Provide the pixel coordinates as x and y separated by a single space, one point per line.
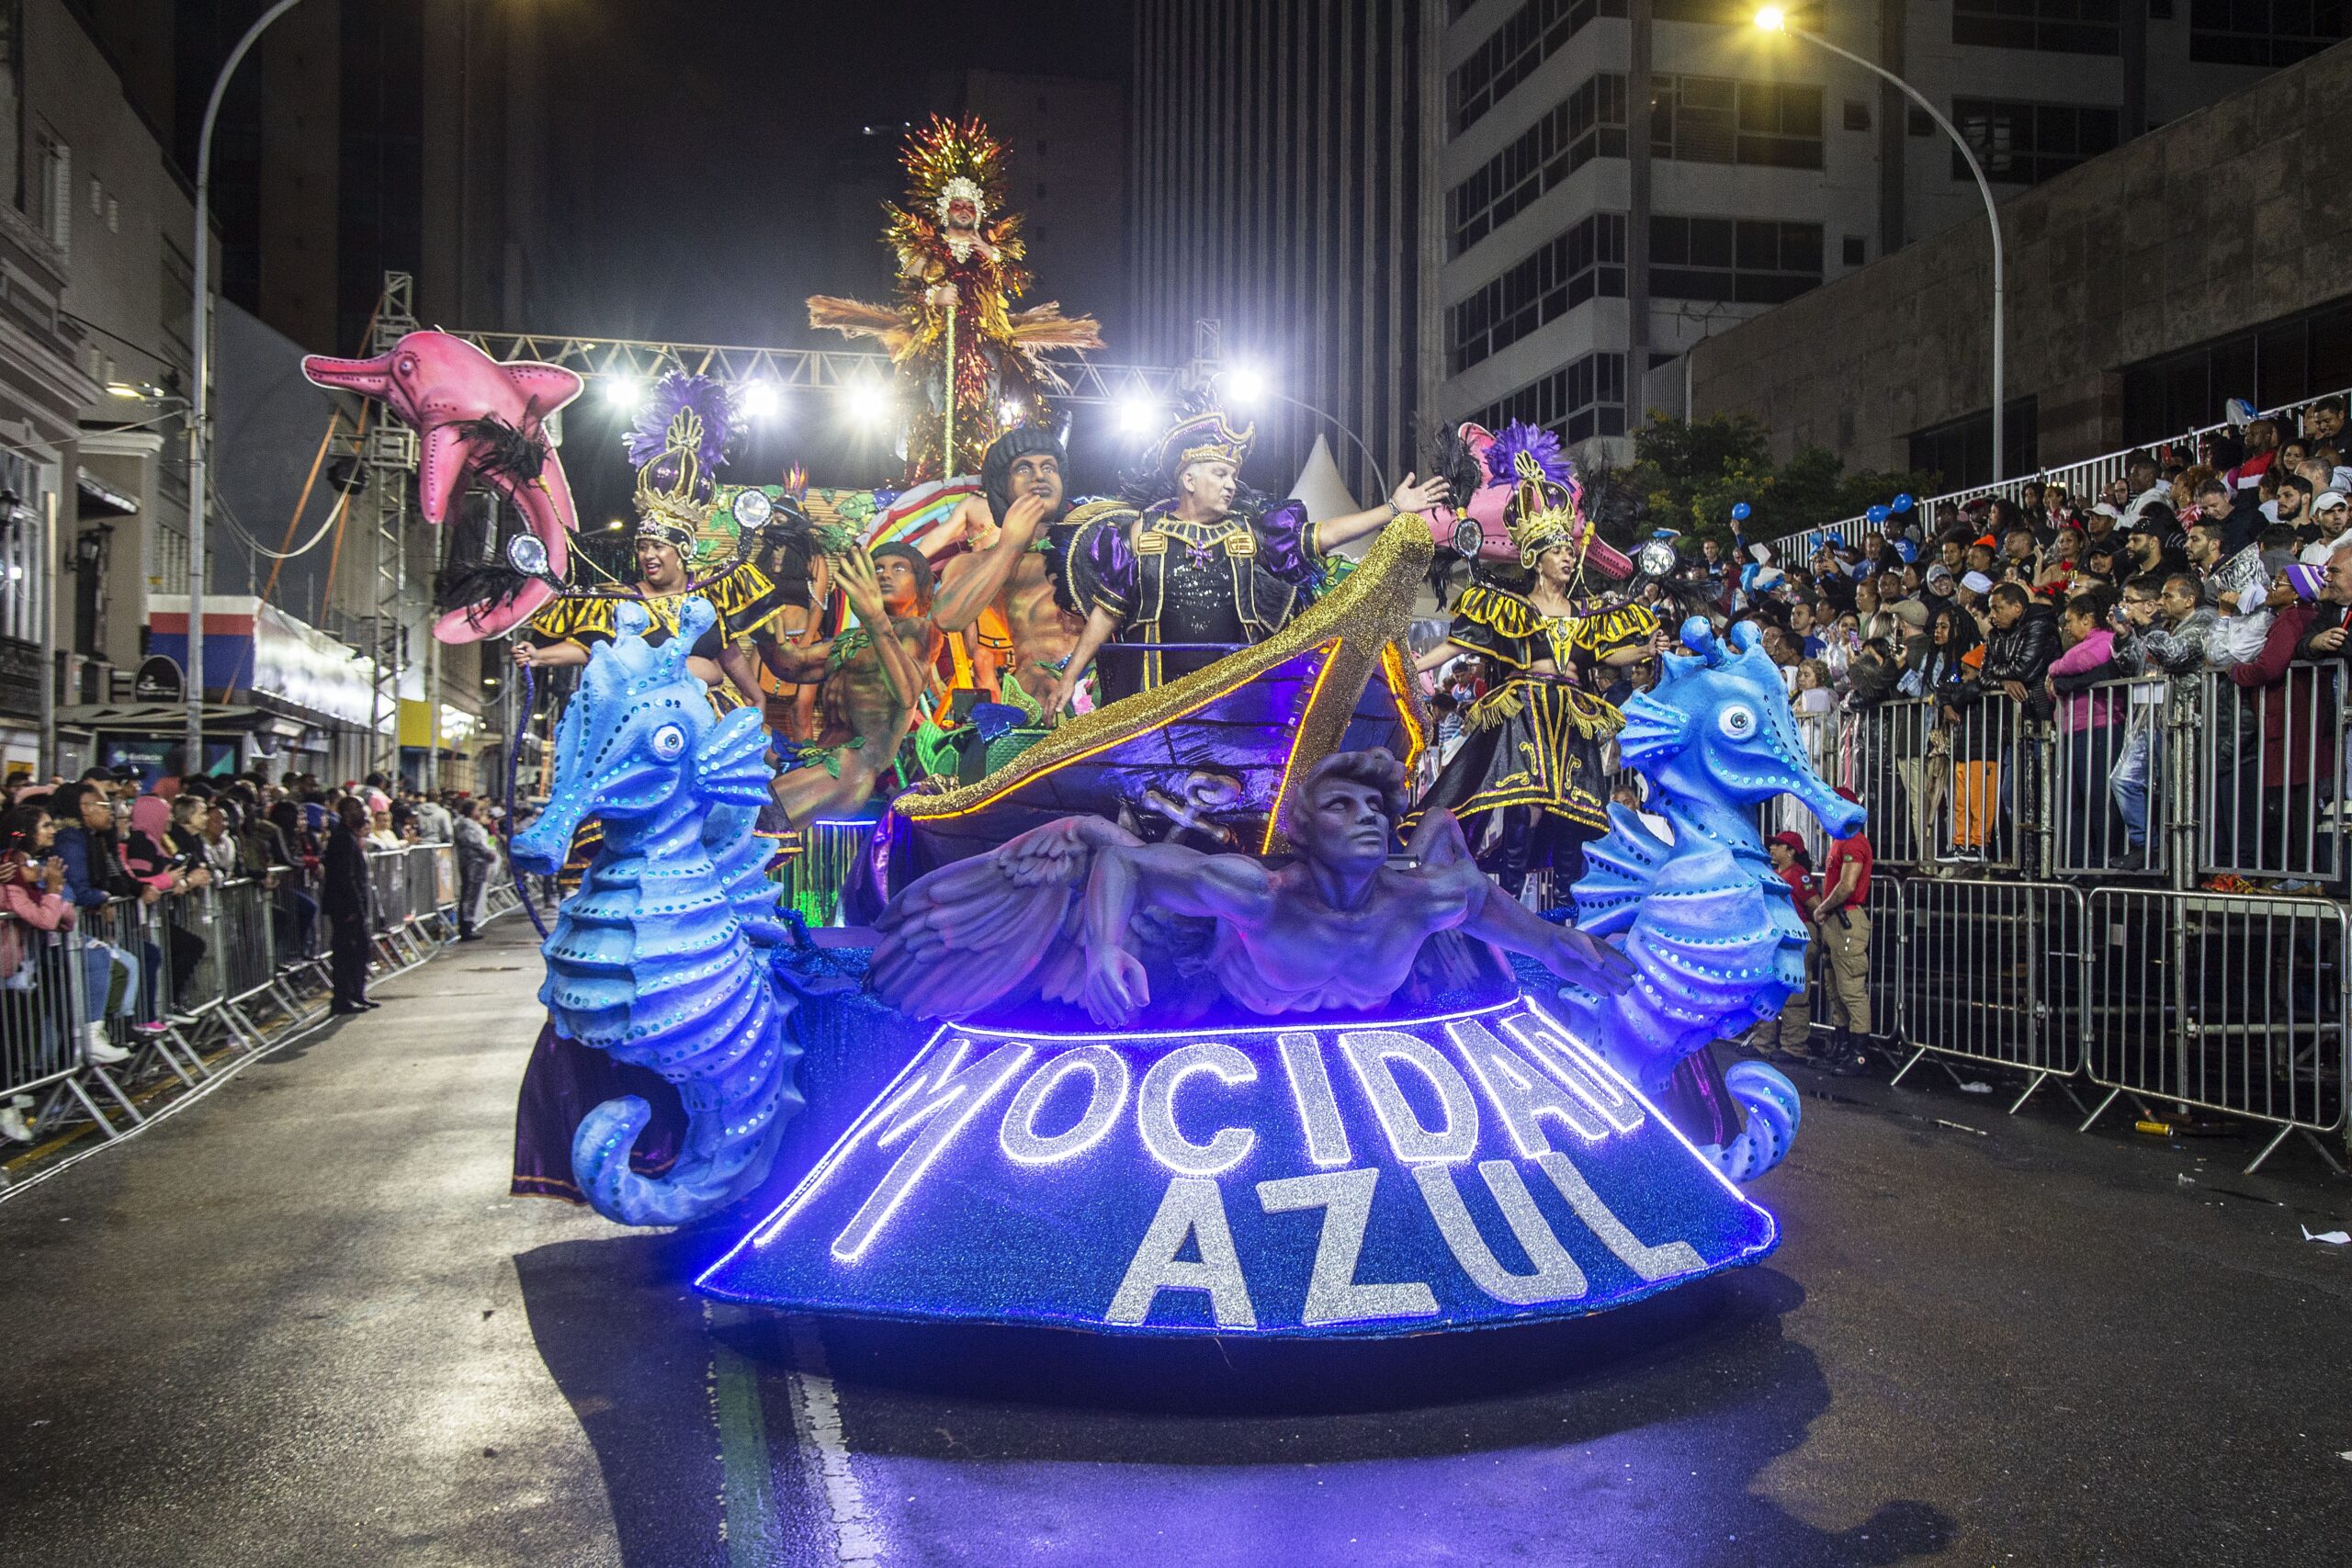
2331 512
1842 919
1789 1035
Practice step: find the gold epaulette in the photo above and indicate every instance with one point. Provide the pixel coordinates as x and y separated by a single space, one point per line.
1498 609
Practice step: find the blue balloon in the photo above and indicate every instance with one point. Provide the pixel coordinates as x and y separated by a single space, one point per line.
1904 502
1739 512
1879 513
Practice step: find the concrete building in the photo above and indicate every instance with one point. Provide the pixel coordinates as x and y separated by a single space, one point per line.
2203 261
1278 188
1582 260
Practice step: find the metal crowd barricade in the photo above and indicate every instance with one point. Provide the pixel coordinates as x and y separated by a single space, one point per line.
1885 907
1958 791
2226 1002
1991 971
424 893
2108 761
141 933
44 1008
391 921
2268 759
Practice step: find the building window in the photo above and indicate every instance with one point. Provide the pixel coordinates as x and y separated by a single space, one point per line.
1577 402
1744 261
1512 53
1589 124
2284 361
2027 143
1716 119
1857 250
53 162
2059 27
1961 451
1858 114
2264 32
1585 262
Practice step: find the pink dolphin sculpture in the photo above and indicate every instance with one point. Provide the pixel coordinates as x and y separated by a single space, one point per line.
475 418
1486 509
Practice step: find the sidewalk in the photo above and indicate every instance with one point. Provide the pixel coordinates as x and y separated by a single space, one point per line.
284 1326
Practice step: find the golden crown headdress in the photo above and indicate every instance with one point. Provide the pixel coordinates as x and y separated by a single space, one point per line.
1543 512
675 443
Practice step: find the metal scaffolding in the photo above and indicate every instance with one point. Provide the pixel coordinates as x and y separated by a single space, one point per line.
390 448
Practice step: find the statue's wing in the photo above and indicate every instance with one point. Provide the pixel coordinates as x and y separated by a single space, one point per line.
997 926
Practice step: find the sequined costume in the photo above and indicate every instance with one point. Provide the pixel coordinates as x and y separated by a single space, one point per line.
1164 580
960 262
1161 578
1535 738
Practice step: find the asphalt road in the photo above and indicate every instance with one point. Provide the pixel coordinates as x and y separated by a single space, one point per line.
302 1324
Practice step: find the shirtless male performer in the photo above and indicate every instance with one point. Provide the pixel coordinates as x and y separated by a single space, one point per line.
1021 501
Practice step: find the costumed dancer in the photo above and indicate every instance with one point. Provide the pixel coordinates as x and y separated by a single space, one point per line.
677 443
1194 556
873 676
1532 746
1006 586
959 258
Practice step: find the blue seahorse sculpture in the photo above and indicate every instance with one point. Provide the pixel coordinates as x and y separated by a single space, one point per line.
1713 932
663 956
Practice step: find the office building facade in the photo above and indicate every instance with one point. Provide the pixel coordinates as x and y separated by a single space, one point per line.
1620 179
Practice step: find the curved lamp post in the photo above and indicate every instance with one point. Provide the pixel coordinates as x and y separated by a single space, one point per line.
1775 19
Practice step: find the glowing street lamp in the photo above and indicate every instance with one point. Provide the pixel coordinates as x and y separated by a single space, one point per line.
1775 19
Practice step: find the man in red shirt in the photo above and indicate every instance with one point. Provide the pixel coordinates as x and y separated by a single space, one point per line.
1842 922
1787 1036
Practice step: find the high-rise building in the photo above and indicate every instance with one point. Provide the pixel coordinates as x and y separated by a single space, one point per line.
1620 178
1277 188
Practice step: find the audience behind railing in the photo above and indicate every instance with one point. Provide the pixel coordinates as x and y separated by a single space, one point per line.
138 928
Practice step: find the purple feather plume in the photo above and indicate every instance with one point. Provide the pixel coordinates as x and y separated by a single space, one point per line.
1503 457
647 439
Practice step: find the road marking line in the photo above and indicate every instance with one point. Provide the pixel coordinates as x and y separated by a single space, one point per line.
817 1413
747 1500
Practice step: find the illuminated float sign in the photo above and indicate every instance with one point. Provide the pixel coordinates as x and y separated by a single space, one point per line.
1341 1179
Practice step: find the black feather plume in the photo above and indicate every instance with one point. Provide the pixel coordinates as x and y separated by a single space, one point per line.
503 451
483 585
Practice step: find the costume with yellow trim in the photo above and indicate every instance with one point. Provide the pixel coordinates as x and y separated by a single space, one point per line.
676 443
1228 581
1535 739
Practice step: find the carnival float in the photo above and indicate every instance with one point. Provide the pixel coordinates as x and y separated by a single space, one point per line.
1160 998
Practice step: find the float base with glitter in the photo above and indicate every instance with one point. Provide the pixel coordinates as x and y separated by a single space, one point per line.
1298 1180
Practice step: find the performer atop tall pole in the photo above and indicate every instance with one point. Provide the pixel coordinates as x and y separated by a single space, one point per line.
954 330
1194 556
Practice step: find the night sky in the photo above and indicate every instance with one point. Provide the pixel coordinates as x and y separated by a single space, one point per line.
711 173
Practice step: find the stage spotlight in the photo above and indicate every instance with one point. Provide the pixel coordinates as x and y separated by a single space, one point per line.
624 392
759 400
1137 416
869 403
1244 385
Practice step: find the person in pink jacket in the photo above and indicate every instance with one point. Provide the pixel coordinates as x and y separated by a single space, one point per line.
33 901
2091 828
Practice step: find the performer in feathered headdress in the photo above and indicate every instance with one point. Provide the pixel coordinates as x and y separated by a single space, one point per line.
756 579
1532 746
1193 556
959 256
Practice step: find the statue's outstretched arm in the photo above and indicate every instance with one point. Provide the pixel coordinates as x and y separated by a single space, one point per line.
1166 877
1495 916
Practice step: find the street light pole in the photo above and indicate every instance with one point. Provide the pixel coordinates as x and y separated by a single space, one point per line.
200 428
1772 18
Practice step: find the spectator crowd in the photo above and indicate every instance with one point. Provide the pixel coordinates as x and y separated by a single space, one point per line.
73 854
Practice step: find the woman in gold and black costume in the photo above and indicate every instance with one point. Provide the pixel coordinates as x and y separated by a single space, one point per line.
1532 747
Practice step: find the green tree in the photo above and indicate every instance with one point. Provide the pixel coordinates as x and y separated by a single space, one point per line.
1690 474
